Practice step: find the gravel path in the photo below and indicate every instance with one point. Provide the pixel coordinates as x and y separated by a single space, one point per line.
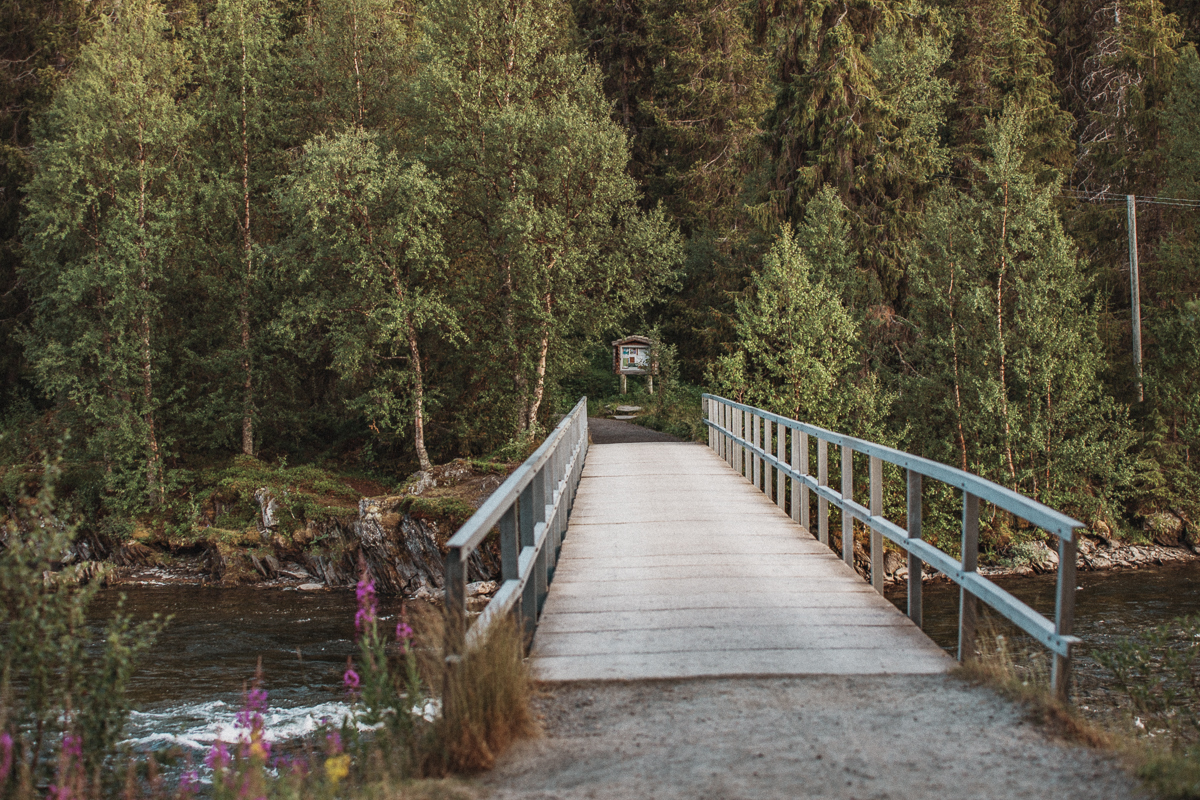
816 737
615 431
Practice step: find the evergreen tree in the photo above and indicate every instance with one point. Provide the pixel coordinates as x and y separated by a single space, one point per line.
1125 77
237 107
1007 361
100 236
1001 57
859 108
796 349
548 241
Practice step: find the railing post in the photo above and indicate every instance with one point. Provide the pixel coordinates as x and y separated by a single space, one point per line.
805 497
756 440
780 453
510 548
456 604
968 604
877 511
747 463
1064 617
914 532
708 415
529 596
540 576
822 480
847 494
795 507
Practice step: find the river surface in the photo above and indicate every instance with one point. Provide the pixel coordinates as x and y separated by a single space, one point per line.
1108 606
190 685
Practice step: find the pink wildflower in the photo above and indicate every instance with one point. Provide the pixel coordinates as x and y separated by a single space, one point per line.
6 756
217 758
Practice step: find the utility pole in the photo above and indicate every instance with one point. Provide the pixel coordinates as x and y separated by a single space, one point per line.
1135 293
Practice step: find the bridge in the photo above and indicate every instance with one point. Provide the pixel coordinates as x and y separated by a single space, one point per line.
699 631
643 561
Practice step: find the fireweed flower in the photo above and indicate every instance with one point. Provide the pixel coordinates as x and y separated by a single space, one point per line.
6 756
218 757
350 678
365 592
189 783
404 632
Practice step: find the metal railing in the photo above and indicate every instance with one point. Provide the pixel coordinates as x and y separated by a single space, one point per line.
742 435
531 509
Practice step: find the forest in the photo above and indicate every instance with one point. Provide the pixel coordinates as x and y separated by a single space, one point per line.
382 234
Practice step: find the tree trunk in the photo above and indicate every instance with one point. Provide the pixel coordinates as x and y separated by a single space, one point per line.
244 310
1012 470
418 396
539 388
153 485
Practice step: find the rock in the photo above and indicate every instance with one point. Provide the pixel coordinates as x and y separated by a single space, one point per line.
627 409
403 553
624 416
267 508
311 587
481 588
1165 529
893 561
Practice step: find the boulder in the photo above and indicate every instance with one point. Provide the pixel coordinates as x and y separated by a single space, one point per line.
1165 528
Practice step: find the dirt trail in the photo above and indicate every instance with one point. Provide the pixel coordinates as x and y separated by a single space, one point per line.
615 431
815 737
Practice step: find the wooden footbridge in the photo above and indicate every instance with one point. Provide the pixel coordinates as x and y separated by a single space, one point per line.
659 560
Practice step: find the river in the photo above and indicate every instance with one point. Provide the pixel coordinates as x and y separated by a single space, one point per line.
189 687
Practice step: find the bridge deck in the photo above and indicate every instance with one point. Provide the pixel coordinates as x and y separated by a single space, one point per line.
674 566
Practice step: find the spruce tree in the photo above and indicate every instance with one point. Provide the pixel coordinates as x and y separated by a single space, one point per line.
102 209
796 349
1006 363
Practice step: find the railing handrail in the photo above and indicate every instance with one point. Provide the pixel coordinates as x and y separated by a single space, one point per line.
530 511
750 453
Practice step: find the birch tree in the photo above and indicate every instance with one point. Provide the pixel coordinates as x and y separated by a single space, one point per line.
548 240
371 272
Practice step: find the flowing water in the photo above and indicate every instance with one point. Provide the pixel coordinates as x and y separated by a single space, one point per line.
1108 606
190 685
189 688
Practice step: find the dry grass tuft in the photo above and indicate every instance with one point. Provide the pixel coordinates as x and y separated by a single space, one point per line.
485 697
996 666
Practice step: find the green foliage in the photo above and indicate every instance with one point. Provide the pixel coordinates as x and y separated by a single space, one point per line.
1159 673
1006 363
549 245
797 349
73 688
100 216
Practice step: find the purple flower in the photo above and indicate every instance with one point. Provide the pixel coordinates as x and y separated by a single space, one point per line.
189 783
333 741
217 758
404 631
256 699
365 592
350 679
72 746
6 756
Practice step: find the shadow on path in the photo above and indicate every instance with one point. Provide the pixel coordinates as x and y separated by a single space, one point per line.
614 431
